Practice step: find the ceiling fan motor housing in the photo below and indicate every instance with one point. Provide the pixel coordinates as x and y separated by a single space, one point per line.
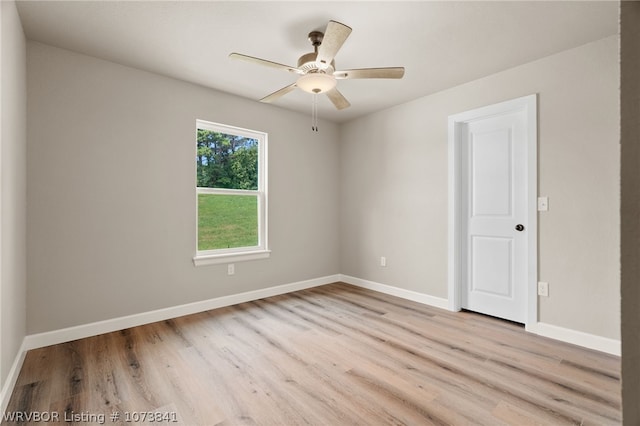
307 63
317 77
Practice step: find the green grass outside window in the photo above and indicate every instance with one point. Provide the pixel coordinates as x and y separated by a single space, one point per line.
227 221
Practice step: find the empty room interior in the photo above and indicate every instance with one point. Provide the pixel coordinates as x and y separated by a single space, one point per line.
277 213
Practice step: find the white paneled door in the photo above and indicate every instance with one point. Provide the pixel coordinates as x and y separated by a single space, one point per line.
494 223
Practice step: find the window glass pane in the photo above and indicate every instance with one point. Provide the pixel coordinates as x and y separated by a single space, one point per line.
226 161
227 221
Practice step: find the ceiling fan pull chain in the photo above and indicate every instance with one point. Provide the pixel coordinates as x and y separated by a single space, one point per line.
314 113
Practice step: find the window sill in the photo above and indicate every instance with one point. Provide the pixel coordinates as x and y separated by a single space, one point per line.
215 259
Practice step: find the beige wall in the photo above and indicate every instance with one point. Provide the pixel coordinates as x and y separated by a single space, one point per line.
394 185
112 228
111 192
630 209
13 141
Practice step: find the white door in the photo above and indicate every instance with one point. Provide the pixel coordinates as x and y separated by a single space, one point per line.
494 221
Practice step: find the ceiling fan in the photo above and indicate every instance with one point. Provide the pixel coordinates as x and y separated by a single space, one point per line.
317 70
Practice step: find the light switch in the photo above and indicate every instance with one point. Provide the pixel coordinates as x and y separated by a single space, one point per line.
543 289
543 204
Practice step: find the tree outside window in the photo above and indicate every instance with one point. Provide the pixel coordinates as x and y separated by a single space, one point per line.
230 189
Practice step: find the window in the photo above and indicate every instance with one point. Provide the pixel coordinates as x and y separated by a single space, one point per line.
231 194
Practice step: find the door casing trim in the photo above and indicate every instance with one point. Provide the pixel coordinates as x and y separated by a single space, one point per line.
456 268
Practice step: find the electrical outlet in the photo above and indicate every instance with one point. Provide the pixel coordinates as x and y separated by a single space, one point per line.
543 204
383 261
231 269
543 289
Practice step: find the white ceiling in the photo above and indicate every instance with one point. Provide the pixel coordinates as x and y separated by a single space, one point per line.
441 44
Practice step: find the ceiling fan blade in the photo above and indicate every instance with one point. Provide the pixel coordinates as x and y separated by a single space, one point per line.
393 72
334 37
259 61
338 99
279 93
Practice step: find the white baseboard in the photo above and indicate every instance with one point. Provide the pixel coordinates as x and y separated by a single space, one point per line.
437 302
586 340
40 340
12 378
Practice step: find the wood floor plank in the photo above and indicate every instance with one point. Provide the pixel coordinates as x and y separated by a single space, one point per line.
330 355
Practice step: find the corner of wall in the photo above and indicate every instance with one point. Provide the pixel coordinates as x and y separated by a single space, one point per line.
13 94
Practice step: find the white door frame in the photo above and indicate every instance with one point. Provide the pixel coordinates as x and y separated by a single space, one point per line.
457 223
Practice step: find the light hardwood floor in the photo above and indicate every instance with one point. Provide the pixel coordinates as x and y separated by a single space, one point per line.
331 355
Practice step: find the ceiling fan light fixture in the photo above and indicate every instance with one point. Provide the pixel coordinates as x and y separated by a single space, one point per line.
316 82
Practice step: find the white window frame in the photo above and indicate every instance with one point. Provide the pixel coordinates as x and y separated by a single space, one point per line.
237 254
